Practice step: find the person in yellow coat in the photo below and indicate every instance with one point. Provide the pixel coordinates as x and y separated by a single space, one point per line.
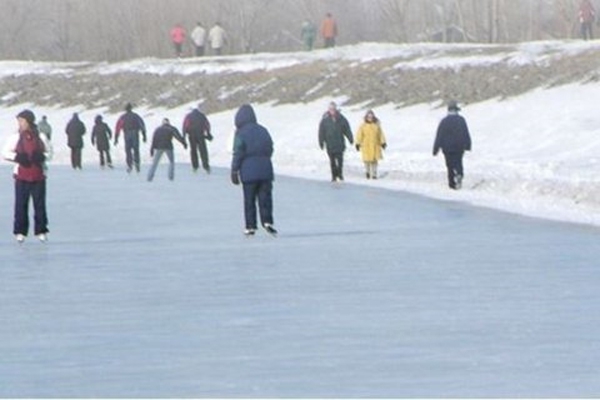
370 141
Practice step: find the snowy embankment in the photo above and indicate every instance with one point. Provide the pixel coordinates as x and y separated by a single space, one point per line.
535 154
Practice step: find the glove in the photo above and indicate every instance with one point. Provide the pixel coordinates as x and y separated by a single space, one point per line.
38 158
116 142
185 146
358 147
144 138
384 146
235 177
23 160
209 137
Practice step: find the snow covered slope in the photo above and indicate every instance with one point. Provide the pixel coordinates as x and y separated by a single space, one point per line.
535 153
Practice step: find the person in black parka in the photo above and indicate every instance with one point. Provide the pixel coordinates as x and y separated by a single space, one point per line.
75 131
453 139
251 164
101 135
334 130
197 127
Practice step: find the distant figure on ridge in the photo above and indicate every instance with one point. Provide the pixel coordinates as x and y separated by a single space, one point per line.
178 38
453 139
75 131
217 38
308 34
131 124
329 31
587 16
199 39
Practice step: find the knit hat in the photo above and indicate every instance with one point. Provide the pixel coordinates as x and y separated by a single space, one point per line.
28 116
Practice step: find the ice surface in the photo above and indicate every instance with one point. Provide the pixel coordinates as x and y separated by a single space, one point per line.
151 290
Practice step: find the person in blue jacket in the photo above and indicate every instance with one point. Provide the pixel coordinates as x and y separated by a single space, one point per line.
453 139
252 166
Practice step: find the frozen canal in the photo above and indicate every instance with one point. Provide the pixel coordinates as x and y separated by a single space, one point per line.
151 290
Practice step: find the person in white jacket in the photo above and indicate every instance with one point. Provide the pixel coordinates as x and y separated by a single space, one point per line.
217 38
29 150
199 39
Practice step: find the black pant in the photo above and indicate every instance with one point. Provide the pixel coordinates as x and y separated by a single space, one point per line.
336 161
263 192
132 150
199 51
587 30
104 153
329 42
199 146
23 191
454 164
76 157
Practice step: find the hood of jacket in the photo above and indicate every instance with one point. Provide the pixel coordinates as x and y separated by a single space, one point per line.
244 116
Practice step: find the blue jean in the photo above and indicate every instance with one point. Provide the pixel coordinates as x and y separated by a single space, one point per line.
23 191
157 156
132 149
261 191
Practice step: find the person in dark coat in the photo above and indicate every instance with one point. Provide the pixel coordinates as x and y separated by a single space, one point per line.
251 165
162 143
101 135
197 127
75 131
453 139
334 130
131 124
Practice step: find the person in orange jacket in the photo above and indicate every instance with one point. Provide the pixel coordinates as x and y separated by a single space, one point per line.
329 30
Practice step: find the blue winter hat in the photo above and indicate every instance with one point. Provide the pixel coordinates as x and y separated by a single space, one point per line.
453 106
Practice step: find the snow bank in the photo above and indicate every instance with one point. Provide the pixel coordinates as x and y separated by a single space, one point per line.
537 154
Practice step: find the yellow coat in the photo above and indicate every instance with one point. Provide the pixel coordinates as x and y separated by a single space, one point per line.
370 137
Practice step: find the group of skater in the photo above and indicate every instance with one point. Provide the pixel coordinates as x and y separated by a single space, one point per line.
251 165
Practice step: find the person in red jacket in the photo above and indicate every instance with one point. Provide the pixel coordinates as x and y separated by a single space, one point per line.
29 150
587 16
178 38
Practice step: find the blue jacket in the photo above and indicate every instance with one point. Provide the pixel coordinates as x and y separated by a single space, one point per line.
252 149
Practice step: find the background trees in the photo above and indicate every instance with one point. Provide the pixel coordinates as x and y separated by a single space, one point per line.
112 30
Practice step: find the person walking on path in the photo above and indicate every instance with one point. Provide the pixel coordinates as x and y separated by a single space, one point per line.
199 39
587 16
334 130
197 128
308 34
131 124
178 38
329 31
217 38
453 138
45 127
252 166
370 141
75 131
162 143
101 135
30 150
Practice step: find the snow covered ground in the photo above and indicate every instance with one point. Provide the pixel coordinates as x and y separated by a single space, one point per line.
151 290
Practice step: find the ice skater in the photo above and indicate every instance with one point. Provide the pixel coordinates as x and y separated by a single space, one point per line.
29 150
252 166
334 127
162 143
101 135
131 124
453 139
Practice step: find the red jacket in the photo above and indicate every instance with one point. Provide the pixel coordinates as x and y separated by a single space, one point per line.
178 35
28 144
